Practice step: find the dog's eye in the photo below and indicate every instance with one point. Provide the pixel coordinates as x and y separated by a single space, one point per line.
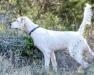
17 21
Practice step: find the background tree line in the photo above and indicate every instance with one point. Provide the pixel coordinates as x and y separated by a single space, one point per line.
57 14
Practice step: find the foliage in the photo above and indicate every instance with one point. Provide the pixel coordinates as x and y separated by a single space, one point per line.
57 15
29 49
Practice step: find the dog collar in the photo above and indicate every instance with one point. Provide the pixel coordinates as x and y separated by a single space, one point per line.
33 30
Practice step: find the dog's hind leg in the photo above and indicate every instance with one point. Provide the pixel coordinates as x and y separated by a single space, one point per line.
53 60
76 53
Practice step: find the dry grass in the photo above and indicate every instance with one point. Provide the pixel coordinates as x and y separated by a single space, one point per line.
7 68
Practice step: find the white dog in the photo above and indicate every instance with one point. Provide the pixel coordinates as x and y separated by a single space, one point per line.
49 41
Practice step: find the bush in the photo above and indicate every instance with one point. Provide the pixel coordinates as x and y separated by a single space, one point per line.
30 50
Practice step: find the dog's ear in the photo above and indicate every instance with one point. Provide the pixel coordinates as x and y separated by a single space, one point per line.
22 19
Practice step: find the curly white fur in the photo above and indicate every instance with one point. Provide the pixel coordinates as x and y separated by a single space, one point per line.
86 19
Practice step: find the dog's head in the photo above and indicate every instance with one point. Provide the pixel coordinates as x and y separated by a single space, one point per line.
18 24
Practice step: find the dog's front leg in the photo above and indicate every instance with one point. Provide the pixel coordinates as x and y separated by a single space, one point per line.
46 54
53 60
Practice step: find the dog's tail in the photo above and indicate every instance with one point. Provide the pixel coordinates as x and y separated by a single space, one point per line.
86 19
